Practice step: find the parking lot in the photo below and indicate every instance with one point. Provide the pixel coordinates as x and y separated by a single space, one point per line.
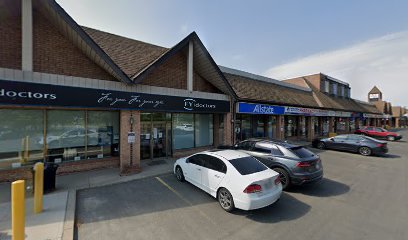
359 198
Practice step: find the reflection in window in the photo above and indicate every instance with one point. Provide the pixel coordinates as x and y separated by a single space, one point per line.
183 131
203 130
21 137
65 135
102 134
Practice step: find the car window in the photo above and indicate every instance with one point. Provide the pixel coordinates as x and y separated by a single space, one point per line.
369 129
275 151
262 147
245 145
379 130
214 163
301 152
340 137
196 159
247 165
354 138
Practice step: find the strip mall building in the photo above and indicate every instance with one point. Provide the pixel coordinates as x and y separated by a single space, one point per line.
88 99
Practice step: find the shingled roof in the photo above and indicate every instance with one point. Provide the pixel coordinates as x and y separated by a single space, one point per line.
130 55
249 87
374 90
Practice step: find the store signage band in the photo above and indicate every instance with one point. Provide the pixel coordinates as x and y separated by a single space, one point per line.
253 108
22 93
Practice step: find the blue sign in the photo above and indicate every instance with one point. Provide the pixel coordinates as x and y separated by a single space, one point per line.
253 108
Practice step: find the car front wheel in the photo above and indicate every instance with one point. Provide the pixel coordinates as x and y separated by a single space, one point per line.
390 138
225 199
179 174
321 145
365 151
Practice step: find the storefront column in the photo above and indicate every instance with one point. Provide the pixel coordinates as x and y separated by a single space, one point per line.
280 126
129 152
347 123
331 125
310 128
216 136
397 122
228 129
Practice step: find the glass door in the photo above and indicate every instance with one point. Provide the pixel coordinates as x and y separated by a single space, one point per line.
145 135
154 133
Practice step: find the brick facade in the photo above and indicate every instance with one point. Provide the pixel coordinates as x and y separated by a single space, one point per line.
10 34
53 53
129 153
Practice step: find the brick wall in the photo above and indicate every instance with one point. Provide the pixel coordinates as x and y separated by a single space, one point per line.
53 53
10 34
202 85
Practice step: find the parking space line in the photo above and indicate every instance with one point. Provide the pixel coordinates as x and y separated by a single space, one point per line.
185 200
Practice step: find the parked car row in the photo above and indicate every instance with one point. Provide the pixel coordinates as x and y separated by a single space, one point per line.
378 132
253 173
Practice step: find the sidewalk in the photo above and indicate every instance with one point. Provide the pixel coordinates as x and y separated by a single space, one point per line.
57 220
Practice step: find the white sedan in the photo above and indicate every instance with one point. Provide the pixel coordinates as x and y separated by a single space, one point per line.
235 178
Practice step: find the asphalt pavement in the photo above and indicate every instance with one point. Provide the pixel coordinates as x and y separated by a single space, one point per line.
359 198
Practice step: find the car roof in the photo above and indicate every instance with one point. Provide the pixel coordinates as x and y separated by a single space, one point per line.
227 154
282 143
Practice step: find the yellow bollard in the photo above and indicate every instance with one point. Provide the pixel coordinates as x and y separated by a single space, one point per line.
18 210
38 187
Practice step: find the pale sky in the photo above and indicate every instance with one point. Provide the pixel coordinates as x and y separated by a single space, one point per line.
362 42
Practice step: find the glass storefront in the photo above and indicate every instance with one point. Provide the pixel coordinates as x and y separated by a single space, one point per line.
325 126
27 136
155 135
21 137
255 126
291 126
192 130
340 125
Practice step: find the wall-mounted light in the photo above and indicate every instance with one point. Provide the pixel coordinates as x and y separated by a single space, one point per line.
131 120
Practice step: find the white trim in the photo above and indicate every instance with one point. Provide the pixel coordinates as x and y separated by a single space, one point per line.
27 35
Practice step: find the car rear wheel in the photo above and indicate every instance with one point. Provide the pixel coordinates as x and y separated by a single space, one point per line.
284 177
225 199
390 138
179 174
365 151
321 145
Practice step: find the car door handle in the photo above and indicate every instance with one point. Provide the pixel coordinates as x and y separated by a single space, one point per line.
217 176
199 169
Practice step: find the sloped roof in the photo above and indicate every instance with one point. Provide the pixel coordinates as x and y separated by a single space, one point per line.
255 90
374 90
129 54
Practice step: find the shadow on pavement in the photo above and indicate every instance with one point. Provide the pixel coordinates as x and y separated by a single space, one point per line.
286 209
323 188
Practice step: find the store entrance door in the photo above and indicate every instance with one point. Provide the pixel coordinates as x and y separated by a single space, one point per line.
154 135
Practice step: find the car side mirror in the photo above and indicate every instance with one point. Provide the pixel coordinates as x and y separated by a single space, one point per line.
236 146
332 139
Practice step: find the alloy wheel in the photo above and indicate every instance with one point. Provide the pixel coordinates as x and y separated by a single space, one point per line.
225 200
366 151
391 138
179 174
321 145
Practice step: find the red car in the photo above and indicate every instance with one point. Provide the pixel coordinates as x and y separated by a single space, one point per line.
378 132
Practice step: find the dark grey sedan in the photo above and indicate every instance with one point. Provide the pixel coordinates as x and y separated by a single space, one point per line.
296 165
363 145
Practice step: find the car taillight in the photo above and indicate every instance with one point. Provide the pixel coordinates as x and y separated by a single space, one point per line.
253 188
303 164
277 180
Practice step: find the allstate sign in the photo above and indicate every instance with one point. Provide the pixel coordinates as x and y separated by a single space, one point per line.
252 108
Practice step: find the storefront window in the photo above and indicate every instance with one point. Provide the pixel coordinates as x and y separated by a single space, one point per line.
183 130
271 127
203 130
21 137
325 123
340 125
291 126
352 125
102 134
258 122
66 135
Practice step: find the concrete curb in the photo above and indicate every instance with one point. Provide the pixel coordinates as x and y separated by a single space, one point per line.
68 228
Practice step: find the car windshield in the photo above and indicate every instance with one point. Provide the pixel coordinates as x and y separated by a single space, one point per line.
301 152
372 139
247 165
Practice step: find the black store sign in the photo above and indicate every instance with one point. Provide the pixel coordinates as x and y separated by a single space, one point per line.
21 93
